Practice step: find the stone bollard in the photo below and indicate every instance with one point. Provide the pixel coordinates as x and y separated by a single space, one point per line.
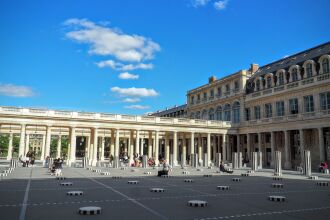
205 161
235 160
84 162
144 161
254 161
259 160
171 162
13 163
195 160
240 160
183 160
278 164
115 162
217 159
307 163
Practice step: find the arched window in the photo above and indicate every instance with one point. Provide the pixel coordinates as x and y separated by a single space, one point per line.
258 85
294 74
192 115
269 82
211 114
198 115
325 65
236 110
204 115
219 113
281 78
309 70
227 112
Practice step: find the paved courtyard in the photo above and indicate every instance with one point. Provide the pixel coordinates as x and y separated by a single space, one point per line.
31 193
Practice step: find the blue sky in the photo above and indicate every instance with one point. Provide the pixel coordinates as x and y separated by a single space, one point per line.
138 56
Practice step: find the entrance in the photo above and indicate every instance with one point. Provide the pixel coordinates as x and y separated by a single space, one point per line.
80 147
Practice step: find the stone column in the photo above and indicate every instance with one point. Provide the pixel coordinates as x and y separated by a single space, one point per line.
95 147
10 147
277 162
102 148
156 147
302 144
259 142
150 145
22 141
254 161
116 153
43 148
321 144
167 147
137 142
200 148
215 150
235 160
89 147
175 148
59 143
112 143
224 155
192 148
217 159
307 162
48 139
184 150
287 163
208 150
131 147
27 142
238 143
272 146
248 145
72 144
260 160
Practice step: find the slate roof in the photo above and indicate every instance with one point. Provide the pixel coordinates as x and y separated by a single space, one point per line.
295 59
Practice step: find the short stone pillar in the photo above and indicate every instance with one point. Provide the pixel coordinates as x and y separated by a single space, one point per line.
194 160
84 162
205 161
307 163
144 161
278 164
217 159
254 161
240 160
183 160
235 160
50 162
115 162
13 163
171 162
259 160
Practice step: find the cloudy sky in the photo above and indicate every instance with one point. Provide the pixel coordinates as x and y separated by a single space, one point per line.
138 56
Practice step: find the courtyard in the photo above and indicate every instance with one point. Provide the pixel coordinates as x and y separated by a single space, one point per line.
32 193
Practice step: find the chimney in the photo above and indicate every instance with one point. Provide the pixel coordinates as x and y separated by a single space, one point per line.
212 79
254 67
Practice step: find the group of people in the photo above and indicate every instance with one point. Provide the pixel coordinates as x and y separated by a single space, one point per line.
56 166
29 159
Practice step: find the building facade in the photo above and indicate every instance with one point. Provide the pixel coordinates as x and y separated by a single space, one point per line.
174 112
282 106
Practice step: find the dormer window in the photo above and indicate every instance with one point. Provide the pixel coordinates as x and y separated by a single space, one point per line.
269 82
325 65
219 91
309 70
294 75
258 85
281 78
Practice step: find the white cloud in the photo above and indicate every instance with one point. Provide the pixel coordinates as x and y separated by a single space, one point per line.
127 75
134 92
137 107
198 3
16 91
109 41
220 5
122 67
131 100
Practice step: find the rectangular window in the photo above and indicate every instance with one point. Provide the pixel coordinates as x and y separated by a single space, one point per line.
236 85
280 108
205 95
257 112
309 103
212 93
192 99
325 101
227 88
247 114
268 110
198 97
293 104
219 92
